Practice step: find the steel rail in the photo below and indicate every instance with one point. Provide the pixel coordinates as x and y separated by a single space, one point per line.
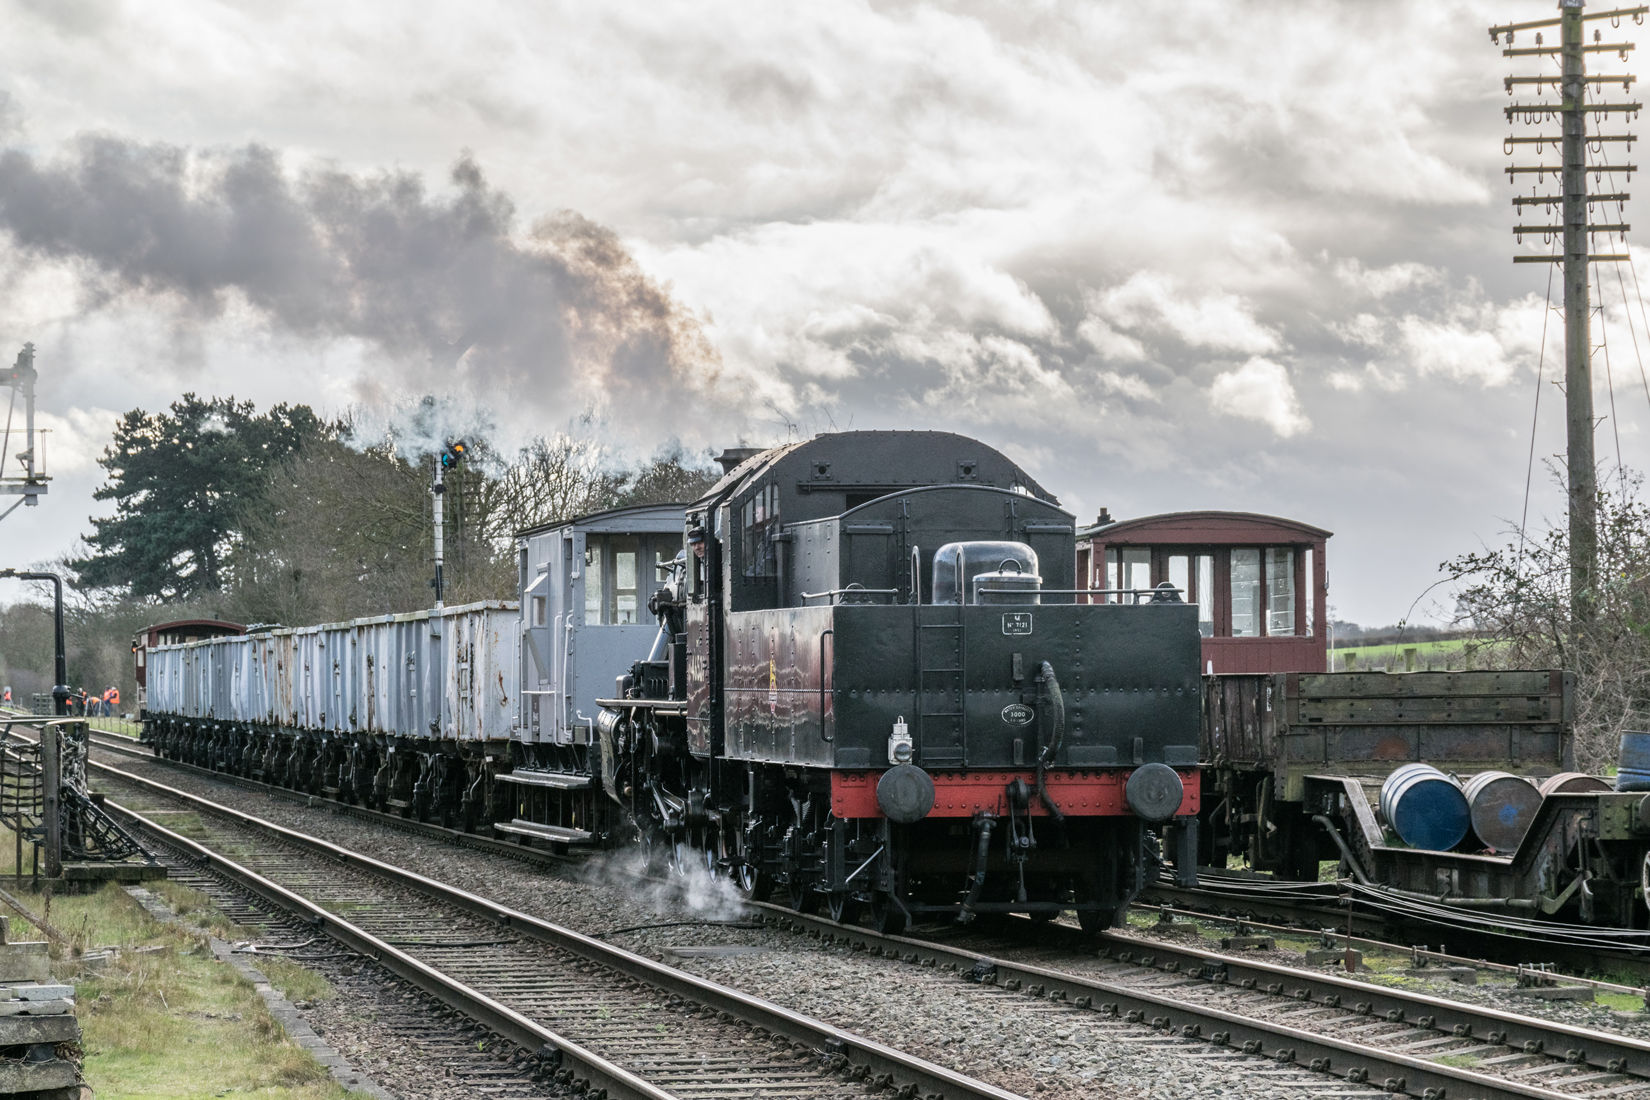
1615 1053
1388 1069
592 1069
918 1076
1561 943
1421 954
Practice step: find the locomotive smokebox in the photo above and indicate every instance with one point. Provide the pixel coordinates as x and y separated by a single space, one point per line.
905 794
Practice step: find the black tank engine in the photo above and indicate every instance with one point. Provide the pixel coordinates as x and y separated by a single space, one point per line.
874 684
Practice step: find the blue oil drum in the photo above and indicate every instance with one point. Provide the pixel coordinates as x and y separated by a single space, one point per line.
1425 807
1502 806
1633 763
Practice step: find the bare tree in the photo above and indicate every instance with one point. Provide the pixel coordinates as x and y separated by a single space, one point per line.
1517 601
553 478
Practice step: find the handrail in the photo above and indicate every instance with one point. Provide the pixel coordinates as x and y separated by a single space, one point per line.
824 734
1135 592
852 590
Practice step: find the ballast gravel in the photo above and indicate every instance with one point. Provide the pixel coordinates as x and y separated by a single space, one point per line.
1035 1048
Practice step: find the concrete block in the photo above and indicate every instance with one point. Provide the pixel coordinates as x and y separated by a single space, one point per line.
1233 943
17 1030
25 962
36 991
30 1076
1336 955
34 1008
1556 992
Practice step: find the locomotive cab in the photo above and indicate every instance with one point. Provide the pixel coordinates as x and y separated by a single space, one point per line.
890 696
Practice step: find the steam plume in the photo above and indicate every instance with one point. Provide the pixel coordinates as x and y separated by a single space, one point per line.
431 280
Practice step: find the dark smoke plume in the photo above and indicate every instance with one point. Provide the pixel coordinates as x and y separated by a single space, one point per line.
331 254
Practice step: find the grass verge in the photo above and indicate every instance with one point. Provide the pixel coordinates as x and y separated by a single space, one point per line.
163 1019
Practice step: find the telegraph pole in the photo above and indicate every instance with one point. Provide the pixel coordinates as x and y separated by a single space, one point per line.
1578 351
1574 235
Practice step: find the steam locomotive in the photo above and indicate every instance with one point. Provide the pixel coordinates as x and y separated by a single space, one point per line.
863 693
867 682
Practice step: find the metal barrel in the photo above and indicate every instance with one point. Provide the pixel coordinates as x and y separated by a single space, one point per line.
1633 763
1502 805
1573 783
1425 807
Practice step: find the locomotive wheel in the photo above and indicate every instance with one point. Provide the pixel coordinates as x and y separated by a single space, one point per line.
843 907
886 914
804 898
656 853
753 882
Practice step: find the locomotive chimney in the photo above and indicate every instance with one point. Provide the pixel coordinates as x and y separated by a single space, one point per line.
733 456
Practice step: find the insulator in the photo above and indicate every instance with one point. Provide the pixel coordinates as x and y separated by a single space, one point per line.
1538 38
1510 35
1517 236
1598 35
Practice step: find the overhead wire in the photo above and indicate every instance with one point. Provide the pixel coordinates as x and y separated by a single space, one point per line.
1535 416
1541 366
1604 329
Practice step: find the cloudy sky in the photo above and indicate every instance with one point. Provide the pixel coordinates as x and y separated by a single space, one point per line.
1253 256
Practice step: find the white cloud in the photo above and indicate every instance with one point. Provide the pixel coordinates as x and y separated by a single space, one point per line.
1454 350
1110 343
1382 281
1126 385
1260 390
1373 376
73 442
1151 300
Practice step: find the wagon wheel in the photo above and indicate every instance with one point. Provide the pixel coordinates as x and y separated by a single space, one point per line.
1093 921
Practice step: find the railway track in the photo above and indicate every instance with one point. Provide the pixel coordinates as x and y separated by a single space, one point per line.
1387 1037
1307 1024
602 1019
1324 907
432 1041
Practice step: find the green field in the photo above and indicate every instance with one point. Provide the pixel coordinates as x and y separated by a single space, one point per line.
1435 655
